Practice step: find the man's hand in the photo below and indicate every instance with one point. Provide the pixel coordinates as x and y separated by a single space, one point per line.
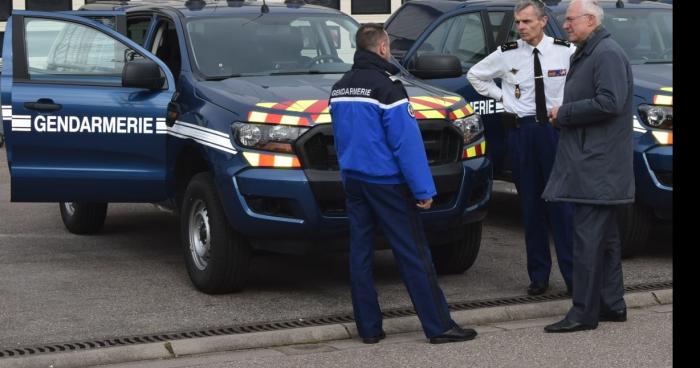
425 203
553 116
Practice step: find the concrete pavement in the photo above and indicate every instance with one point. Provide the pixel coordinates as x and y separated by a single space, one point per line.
483 317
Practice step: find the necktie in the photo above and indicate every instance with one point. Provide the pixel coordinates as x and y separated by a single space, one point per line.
540 102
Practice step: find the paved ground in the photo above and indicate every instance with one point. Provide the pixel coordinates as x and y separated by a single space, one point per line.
130 279
645 340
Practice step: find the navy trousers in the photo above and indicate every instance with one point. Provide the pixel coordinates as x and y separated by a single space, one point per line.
597 264
533 147
393 209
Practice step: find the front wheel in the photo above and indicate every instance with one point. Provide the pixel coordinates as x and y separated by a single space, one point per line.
634 221
83 218
457 256
216 257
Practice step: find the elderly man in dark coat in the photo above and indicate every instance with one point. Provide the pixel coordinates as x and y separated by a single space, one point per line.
593 165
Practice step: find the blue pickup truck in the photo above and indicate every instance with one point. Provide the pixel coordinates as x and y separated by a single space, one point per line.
471 29
219 111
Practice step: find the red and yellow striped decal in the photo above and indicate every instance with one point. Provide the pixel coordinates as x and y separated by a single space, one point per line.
663 100
269 118
461 112
476 150
663 137
271 160
425 107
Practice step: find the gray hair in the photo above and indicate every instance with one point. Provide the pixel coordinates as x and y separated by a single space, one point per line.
591 7
538 5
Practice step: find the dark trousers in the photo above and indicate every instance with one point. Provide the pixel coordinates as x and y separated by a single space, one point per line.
394 210
533 146
597 266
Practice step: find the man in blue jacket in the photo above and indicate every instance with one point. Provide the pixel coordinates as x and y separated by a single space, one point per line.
385 171
593 166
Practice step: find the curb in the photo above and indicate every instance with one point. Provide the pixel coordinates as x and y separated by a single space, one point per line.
306 335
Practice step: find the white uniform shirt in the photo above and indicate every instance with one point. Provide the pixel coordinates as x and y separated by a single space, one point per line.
516 66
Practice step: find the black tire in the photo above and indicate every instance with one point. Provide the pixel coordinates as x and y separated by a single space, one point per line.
634 222
216 257
83 218
459 255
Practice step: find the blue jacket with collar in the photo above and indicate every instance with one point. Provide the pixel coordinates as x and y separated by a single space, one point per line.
377 138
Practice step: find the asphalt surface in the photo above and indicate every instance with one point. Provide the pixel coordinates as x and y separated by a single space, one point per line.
645 340
130 279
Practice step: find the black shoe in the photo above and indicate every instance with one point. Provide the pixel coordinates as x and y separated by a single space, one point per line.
537 288
613 316
375 339
567 326
454 334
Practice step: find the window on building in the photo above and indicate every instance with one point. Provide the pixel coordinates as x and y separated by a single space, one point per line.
335 4
49 5
5 9
370 7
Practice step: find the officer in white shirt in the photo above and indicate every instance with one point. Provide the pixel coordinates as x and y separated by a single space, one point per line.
533 72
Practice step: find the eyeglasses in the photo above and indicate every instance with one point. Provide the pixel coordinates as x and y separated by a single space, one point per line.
571 19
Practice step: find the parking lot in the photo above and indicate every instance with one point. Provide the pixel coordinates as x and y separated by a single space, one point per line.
130 279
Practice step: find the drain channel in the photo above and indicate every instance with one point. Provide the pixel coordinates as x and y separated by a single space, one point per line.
297 323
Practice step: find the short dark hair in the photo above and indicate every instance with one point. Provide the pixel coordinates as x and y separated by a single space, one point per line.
369 35
537 5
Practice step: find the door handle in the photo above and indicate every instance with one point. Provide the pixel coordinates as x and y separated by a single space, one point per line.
43 104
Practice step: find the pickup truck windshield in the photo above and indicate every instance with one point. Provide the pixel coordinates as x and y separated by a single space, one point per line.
645 34
225 47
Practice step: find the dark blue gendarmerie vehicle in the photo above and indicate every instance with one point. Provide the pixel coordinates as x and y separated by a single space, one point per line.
471 29
219 110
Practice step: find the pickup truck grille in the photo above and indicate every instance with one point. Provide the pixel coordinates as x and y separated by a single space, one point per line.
443 147
443 144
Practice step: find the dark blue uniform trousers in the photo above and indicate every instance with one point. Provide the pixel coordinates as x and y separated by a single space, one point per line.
393 208
597 265
533 147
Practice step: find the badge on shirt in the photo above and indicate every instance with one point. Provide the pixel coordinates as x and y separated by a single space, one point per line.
517 91
410 111
556 73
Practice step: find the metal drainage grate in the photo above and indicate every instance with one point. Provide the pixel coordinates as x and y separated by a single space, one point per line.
297 323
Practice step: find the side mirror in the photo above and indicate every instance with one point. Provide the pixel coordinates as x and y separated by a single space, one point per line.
433 66
142 73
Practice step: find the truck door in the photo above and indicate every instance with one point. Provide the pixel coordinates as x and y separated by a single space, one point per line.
74 133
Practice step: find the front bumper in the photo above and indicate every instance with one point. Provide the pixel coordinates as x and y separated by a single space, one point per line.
653 168
283 210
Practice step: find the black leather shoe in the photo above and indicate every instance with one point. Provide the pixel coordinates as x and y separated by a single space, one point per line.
454 334
567 326
375 339
537 288
613 316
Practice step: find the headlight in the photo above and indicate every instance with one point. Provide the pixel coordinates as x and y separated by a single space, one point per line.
471 126
276 138
659 117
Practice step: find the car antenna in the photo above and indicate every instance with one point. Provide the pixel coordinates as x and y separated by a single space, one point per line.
264 8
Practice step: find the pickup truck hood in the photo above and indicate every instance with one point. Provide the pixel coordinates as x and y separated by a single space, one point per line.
303 99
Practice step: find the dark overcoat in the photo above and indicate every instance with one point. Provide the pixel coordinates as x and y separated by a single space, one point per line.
593 163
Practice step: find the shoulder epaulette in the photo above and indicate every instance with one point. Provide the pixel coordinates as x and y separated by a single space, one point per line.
509 46
560 42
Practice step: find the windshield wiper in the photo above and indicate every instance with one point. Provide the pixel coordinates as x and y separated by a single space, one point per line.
310 71
235 75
